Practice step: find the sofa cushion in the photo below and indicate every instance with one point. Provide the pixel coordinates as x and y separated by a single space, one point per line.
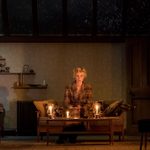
40 106
113 109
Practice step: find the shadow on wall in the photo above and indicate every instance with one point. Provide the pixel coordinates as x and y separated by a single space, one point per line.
3 96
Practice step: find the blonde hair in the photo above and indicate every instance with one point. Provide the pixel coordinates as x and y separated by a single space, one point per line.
79 69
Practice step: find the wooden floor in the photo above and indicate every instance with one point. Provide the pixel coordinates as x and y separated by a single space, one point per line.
30 143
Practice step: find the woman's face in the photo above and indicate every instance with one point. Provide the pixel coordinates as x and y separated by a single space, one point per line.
79 77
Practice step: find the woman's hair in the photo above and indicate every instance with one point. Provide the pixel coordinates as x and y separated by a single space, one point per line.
79 69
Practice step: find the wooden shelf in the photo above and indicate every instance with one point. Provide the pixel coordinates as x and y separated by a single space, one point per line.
2 59
21 82
6 73
30 87
16 73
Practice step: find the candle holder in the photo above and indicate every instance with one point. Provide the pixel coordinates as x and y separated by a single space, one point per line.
50 111
96 116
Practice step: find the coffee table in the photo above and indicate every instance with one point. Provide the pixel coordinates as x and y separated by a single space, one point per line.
55 126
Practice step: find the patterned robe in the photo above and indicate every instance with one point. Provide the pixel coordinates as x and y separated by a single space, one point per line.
71 97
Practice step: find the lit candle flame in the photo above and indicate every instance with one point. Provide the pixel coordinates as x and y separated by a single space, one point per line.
67 114
50 109
97 108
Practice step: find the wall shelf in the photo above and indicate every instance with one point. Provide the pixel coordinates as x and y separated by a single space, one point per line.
30 87
16 73
20 84
2 59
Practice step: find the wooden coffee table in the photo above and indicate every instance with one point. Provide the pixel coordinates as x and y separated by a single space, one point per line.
55 127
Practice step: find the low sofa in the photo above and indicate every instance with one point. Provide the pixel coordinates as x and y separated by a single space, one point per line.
115 109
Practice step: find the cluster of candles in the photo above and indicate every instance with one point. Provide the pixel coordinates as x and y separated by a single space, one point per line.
97 107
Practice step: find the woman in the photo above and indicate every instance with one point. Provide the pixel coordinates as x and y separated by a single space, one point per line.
76 96
78 92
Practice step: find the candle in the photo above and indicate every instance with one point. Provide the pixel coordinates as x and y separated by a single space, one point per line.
97 109
50 109
67 114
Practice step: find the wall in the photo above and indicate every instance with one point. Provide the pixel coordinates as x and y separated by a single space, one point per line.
53 62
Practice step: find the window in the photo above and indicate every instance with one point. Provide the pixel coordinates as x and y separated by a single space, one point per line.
74 18
109 16
20 17
79 17
50 17
138 20
1 30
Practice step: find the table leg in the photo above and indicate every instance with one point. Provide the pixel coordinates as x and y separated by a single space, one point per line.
47 133
111 131
141 142
145 141
47 139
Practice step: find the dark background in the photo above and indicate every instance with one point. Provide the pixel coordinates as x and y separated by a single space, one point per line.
74 18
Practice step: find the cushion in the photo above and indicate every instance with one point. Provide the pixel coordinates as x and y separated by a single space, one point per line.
113 109
40 106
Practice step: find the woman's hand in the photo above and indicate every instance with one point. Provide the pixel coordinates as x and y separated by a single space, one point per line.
78 107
